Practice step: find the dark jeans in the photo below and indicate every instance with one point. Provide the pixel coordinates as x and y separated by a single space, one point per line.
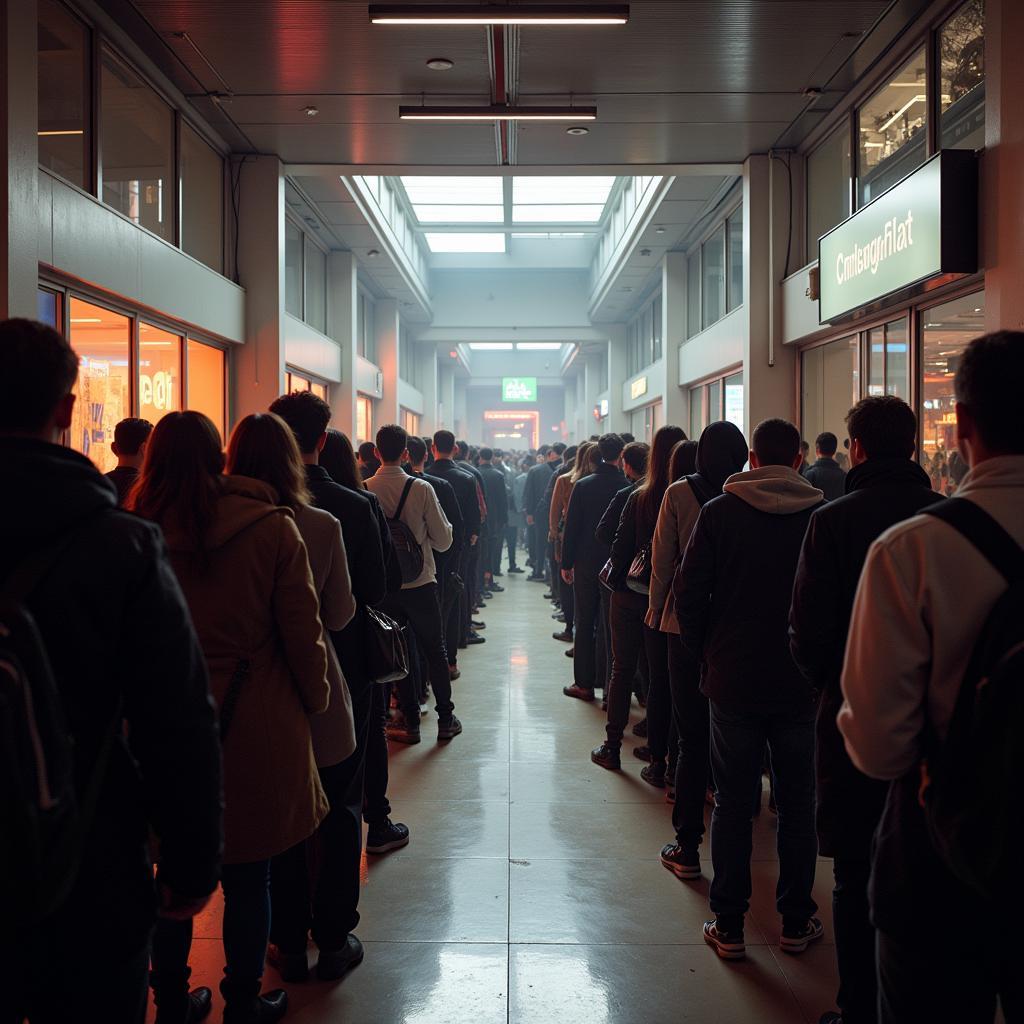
565 590
693 724
604 640
628 634
495 545
855 940
376 808
738 737
586 592
511 539
951 973
419 608
330 910
536 535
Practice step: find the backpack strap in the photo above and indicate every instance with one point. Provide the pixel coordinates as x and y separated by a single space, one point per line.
402 500
31 571
973 523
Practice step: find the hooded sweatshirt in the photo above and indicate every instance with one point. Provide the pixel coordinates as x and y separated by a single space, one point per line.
735 584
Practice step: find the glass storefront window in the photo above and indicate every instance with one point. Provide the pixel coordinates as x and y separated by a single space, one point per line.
714 401
206 381
962 78
734 399
696 411
830 386
292 269
734 230
876 361
137 146
945 332
320 390
102 340
713 277
829 169
410 422
202 199
891 136
46 308
316 287
897 360
364 419
64 93
693 295
159 372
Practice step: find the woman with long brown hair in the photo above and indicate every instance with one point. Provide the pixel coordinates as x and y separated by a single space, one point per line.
242 565
631 575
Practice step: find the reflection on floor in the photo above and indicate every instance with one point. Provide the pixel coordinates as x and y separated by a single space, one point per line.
531 891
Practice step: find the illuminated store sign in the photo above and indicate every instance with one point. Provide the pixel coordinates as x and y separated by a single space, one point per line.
519 389
638 388
603 406
922 227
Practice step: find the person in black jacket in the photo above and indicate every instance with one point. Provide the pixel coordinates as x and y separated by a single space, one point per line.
583 557
732 593
496 497
884 487
335 899
537 480
130 437
106 603
825 473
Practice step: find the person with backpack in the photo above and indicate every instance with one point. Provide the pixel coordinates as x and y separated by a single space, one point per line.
884 487
932 687
418 527
87 595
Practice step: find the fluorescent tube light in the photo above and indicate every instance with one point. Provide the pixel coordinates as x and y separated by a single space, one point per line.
497 112
498 14
69 131
538 346
491 346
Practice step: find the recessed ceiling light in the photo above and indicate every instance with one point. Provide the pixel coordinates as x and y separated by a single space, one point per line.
577 130
659 230
373 252
645 252
497 112
440 64
311 111
499 14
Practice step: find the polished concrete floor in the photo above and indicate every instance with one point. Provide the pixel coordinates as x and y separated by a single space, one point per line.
531 891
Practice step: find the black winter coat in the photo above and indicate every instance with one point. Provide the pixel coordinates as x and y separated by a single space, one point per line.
828 476
591 496
609 524
117 629
880 494
496 496
464 486
537 480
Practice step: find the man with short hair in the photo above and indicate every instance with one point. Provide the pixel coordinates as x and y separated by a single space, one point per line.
584 555
924 598
884 487
825 473
496 497
537 480
413 503
117 633
733 592
366 460
130 437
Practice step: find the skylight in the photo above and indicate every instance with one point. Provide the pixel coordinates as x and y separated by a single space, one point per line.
445 241
543 190
454 200
557 214
538 346
491 346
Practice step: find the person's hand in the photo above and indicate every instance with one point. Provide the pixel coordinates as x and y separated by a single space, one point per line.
472 539
174 906
568 576
529 520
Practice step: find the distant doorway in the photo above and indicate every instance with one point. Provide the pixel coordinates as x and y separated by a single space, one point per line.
511 428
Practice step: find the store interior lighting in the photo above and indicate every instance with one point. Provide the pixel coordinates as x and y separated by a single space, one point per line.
499 14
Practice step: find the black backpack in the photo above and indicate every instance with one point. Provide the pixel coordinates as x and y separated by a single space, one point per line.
407 547
972 797
45 819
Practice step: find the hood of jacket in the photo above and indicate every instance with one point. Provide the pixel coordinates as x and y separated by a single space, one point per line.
886 473
778 490
56 488
243 501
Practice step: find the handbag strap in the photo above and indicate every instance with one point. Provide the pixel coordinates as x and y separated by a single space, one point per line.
231 695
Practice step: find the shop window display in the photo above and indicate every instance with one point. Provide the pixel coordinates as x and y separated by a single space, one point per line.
206 381
159 372
830 386
364 419
888 360
734 399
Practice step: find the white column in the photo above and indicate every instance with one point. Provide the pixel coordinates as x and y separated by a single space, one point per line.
259 363
673 334
386 330
445 398
769 370
19 246
618 420
428 377
459 414
341 326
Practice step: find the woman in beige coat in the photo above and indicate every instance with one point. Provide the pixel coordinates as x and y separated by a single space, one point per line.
243 568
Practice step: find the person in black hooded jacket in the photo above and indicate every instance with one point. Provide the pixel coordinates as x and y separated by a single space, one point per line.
884 487
122 646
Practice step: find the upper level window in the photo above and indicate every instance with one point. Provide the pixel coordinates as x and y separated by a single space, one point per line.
734 230
829 169
292 269
891 129
202 199
64 94
712 260
315 277
961 62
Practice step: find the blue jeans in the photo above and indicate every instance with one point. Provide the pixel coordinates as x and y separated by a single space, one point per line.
738 737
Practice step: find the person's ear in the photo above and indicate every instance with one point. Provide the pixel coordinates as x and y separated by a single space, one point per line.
755 462
377 454
798 461
321 441
62 414
116 448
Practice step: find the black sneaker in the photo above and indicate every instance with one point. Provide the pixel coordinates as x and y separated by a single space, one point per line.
536 579
448 728
549 597
565 636
386 836
640 729
796 940
475 638
477 624
642 753
728 945
403 732
516 570
496 588
334 964
684 864
654 774
606 756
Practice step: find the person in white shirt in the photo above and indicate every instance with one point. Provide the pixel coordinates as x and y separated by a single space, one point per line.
923 599
415 504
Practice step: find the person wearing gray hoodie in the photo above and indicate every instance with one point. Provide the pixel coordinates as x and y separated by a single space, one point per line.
732 595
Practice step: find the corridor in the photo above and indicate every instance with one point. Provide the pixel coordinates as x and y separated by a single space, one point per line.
531 891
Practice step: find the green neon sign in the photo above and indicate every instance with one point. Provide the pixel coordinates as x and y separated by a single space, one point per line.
519 389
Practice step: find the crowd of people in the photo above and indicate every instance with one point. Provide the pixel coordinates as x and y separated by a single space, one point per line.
191 644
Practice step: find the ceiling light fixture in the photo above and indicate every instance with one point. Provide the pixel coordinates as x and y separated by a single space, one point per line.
440 64
499 14
577 130
311 111
373 253
69 131
497 112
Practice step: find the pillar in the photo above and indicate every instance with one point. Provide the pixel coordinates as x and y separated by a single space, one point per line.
769 367
445 397
618 420
342 297
386 330
1002 191
19 252
429 380
673 334
259 363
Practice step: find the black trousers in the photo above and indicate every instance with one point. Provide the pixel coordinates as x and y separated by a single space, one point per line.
855 939
568 600
587 595
604 639
628 636
495 545
536 535
376 808
451 613
511 539
420 609
693 724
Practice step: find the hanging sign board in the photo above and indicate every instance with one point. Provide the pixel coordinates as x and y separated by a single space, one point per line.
924 226
519 389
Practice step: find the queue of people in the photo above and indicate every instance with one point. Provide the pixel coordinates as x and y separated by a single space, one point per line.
792 619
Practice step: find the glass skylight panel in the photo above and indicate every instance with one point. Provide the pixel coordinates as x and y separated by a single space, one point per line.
546 190
555 214
450 190
454 242
491 346
539 346
436 214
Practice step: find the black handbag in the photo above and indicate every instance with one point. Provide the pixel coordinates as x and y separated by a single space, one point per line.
638 578
386 651
606 577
